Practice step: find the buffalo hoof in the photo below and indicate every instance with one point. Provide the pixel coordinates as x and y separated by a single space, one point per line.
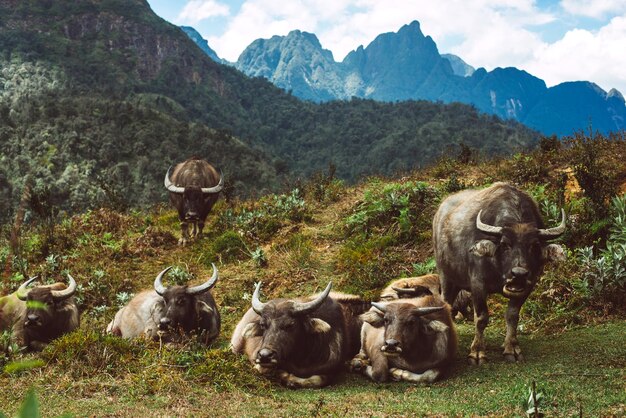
513 358
358 364
182 242
477 358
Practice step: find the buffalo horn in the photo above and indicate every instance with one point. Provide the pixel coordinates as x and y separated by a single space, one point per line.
555 232
379 306
204 286
427 310
158 286
303 308
257 305
21 292
170 186
410 291
215 189
59 295
489 229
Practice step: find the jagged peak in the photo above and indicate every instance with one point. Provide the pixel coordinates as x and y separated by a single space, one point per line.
615 93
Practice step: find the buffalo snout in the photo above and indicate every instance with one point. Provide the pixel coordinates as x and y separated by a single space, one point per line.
32 320
520 273
266 357
391 347
164 324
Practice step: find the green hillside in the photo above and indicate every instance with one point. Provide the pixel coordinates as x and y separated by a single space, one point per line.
360 237
93 90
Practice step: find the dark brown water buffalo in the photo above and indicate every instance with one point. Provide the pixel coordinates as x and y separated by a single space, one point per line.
407 339
427 284
194 186
39 315
305 341
492 241
170 313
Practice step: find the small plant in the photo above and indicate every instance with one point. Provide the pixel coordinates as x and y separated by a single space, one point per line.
427 267
533 402
259 257
123 298
179 276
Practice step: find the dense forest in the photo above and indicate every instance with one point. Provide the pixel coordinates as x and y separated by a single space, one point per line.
95 94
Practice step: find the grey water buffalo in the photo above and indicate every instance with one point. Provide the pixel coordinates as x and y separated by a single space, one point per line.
304 341
493 241
427 284
407 339
194 186
170 313
41 314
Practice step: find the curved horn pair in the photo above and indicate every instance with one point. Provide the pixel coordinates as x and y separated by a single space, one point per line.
418 311
545 233
58 295
300 308
208 190
195 290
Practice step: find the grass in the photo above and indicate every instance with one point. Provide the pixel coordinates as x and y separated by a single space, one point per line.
581 368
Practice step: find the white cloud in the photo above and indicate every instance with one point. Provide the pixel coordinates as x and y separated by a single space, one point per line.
585 55
594 8
198 10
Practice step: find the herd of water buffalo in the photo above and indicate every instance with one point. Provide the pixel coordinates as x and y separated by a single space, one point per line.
485 241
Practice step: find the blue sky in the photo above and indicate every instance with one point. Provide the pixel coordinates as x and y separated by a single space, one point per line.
556 40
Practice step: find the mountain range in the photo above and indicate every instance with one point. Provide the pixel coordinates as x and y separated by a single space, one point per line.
406 65
99 97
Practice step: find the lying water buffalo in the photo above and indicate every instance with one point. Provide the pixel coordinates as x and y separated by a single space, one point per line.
306 341
194 186
492 241
170 313
407 339
427 284
39 315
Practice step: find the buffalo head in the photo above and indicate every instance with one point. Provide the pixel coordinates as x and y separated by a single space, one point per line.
404 325
42 301
194 197
182 303
520 251
283 324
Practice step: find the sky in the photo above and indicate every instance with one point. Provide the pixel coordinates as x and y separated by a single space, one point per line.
555 40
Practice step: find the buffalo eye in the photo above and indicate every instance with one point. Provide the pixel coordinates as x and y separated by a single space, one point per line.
387 320
505 246
180 301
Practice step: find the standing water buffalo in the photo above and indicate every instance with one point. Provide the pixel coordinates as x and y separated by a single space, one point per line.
170 312
194 186
306 341
41 314
407 339
492 241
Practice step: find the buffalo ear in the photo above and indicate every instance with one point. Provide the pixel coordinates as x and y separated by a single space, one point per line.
483 248
553 252
203 307
437 326
318 326
252 330
373 317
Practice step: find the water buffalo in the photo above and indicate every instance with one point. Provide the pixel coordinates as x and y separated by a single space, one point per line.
407 339
492 241
169 313
305 341
194 186
39 315
427 284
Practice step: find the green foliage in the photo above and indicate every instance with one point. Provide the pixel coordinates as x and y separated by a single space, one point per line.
259 257
427 267
179 276
605 274
402 209
229 247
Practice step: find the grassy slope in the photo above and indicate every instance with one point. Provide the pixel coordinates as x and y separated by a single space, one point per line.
86 373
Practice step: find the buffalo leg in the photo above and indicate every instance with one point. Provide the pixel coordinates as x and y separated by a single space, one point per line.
379 369
512 351
293 381
200 228
184 229
359 362
429 376
449 291
477 353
